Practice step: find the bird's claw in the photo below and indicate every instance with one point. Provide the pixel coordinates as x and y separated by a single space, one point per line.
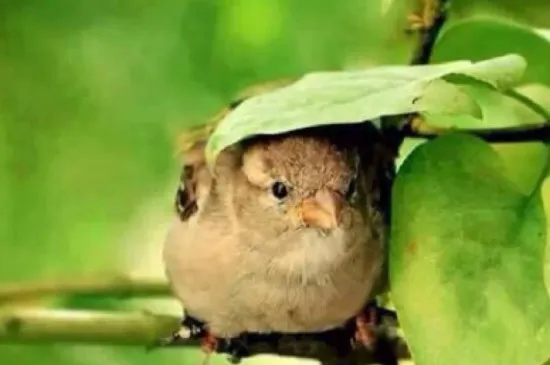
177 338
235 347
193 329
190 329
209 343
365 327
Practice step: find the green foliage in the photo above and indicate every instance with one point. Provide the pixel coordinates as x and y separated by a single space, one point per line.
92 97
93 93
467 257
481 38
469 232
468 229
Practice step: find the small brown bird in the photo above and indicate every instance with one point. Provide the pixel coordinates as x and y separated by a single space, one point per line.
286 236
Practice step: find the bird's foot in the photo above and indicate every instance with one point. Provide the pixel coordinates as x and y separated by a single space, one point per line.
234 347
190 329
365 328
209 342
177 338
209 345
198 330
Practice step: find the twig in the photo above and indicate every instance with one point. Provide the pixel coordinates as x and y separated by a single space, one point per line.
524 133
428 23
85 327
24 326
118 286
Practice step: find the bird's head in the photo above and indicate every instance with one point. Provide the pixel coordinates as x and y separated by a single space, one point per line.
302 180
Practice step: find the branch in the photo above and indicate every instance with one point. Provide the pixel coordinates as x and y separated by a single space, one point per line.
331 346
24 326
427 22
417 128
85 327
145 329
119 286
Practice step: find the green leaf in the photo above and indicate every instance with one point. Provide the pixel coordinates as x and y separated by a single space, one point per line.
445 98
355 96
499 110
483 38
466 260
546 203
536 92
489 109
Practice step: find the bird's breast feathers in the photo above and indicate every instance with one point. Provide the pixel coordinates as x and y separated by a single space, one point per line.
315 283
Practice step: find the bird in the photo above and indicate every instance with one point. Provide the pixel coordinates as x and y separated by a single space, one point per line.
284 234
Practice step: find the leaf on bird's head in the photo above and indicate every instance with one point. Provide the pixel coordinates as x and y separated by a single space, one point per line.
345 97
199 134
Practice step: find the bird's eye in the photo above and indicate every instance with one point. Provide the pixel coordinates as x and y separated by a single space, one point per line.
279 190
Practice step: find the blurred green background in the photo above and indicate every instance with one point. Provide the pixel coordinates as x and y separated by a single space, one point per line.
94 93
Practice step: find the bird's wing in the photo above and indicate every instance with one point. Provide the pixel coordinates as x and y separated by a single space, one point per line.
186 196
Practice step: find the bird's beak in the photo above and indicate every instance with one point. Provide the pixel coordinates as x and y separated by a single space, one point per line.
322 210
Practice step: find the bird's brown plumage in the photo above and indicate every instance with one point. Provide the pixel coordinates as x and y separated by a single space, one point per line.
245 261
307 162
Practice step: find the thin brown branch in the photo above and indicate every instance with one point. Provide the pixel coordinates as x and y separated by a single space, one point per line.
524 133
427 23
117 286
